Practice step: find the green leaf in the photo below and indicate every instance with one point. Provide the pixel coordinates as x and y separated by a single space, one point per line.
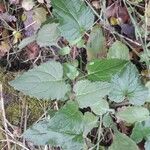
90 122
118 50
64 51
133 114
80 42
70 71
96 42
90 94
44 81
148 86
145 57
48 35
65 129
147 145
122 142
140 131
68 120
26 41
74 16
100 107
127 85
108 122
103 70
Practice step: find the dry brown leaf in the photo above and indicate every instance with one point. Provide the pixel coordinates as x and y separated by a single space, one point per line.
32 50
118 11
96 4
4 48
2 8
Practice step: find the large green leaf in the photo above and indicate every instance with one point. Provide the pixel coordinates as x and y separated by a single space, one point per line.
141 131
133 114
122 142
74 16
127 85
90 94
103 70
48 35
118 50
65 129
96 43
44 81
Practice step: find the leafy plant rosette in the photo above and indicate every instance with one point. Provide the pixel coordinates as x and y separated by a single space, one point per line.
109 83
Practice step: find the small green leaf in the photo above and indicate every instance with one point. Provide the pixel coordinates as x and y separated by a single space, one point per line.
74 16
48 35
127 85
44 81
64 51
103 70
70 71
65 129
133 114
108 122
140 131
96 42
90 94
118 50
122 142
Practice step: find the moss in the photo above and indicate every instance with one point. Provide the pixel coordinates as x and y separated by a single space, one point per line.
16 111
16 103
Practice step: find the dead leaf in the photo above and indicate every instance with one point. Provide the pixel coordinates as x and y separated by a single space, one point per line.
128 30
14 2
112 10
2 8
124 129
41 1
28 4
33 20
4 48
96 4
118 11
7 17
39 15
32 50
147 14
